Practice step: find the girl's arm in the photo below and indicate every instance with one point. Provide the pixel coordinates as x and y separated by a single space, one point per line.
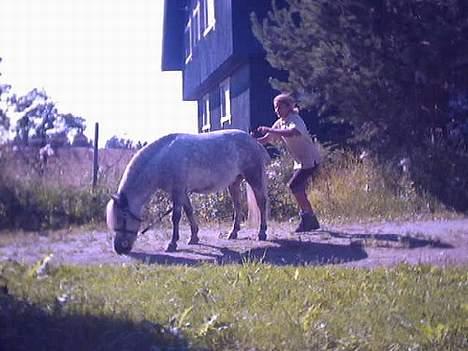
272 132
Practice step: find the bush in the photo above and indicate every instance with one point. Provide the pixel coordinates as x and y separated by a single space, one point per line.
281 203
440 170
207 207
34 206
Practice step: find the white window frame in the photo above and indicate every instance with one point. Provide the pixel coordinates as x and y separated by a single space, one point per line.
225 101
209 18
188 40
206 114
196 30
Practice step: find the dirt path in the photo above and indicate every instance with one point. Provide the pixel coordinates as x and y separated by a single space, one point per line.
358 245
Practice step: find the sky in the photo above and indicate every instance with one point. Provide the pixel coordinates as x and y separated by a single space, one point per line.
97 59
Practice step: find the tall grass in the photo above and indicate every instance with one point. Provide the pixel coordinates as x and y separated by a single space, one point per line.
347 188
350 187
36 206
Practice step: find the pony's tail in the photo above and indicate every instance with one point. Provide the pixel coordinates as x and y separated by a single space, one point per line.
253 214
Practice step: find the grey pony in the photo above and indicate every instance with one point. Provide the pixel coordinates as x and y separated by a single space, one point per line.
181 164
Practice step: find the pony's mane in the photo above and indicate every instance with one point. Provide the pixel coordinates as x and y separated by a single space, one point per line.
138 161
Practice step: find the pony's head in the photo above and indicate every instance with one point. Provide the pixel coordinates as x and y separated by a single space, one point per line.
123 222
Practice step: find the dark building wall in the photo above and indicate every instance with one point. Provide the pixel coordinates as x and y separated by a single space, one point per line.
262 95
173 35
231 50
240 101
223 49
210 53
251 98
244 42
259 110
241 98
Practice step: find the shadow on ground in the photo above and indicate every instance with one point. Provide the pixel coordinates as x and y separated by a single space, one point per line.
315 248
391 240
24 326
284 252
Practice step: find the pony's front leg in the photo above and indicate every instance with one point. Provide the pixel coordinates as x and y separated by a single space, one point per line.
176 214
263 216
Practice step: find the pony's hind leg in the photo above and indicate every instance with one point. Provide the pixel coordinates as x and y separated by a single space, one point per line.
261 202
234 191
188 209
176 215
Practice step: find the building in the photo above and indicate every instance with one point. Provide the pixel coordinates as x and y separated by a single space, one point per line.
223 65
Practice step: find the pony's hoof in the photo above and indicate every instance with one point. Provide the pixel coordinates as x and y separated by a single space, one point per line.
193 241
262 236
172 247
232 236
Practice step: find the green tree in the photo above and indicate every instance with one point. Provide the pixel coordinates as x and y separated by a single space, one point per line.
39 122
388 67
4 103
34 116
120 143
4 120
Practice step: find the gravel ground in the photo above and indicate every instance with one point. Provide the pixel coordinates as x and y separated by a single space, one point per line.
441 242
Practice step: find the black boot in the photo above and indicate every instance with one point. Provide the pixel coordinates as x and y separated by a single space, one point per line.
308 222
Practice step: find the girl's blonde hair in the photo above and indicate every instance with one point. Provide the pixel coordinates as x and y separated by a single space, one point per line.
288 99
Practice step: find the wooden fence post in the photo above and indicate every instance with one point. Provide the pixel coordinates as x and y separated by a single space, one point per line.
95 163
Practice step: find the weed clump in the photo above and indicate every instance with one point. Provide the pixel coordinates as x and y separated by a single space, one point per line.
35 206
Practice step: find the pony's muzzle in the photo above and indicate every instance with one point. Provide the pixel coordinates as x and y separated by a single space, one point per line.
122 247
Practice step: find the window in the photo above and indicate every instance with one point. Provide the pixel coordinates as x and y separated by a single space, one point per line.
206 117
208 15
225 101
201 20
192 34
188 40
196 25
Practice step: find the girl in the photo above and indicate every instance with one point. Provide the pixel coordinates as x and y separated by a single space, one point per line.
291 129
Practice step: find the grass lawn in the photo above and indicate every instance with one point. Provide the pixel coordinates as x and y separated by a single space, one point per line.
252 306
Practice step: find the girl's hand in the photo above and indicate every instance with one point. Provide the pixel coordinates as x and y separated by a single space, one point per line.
263 129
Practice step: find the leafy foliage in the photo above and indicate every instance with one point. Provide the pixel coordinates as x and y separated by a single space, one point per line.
39 122
4 119
121 143
379 65
34 119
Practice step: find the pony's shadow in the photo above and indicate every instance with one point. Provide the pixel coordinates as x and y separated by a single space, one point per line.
164 259
391 240
285 252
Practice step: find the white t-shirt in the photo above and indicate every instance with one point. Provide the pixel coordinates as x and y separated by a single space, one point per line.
302 148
